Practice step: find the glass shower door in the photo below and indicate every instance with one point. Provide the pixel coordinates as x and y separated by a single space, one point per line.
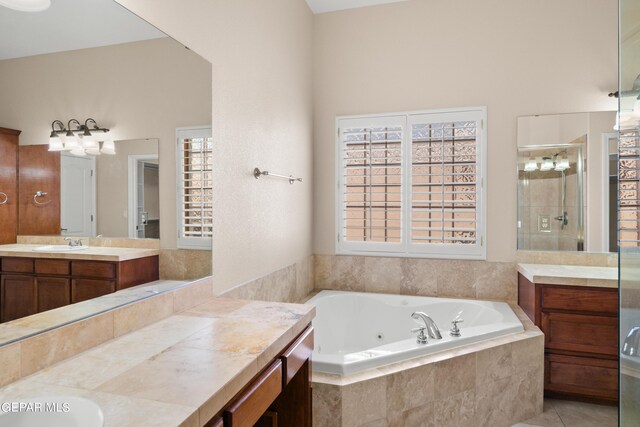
629 212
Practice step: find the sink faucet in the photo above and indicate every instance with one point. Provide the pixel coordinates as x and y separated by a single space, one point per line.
72 242
432 329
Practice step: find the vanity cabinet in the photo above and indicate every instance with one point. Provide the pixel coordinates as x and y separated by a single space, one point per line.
279 396
34 285
580 326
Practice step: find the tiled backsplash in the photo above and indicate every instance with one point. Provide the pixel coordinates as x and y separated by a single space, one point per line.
594 259
418 276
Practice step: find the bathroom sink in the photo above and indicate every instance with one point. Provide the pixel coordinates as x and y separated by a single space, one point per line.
53 411
59 248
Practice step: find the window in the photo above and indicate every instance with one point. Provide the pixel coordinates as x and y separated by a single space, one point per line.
412 184
194 184
629 188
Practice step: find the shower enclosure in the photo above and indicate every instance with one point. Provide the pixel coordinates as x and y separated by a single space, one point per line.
550 198
629 212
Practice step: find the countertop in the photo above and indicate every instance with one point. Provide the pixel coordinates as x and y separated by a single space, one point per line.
571 275
92 253
180 371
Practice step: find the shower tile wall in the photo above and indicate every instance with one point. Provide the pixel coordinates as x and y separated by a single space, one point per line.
540 194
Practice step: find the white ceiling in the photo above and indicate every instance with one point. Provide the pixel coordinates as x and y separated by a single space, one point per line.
70 25
322 6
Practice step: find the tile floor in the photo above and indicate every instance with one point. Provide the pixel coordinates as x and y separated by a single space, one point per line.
565 413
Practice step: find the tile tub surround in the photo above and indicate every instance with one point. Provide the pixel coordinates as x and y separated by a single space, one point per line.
494 383
92 253
290 284
181 370
31 353
571 275
418 276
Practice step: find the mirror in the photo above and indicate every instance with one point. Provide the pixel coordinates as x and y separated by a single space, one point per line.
567 182
141 85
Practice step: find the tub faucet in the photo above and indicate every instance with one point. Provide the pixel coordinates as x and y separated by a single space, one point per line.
430 325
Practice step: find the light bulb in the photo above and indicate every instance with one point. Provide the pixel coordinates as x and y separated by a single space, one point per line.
108 147
562 164
530 165
547 164
55 143
89 142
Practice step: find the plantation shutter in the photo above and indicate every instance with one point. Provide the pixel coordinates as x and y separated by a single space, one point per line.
371 183
195 192
629 188
446 183
412 183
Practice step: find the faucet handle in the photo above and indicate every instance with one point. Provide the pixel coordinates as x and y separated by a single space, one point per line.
422 338
455 331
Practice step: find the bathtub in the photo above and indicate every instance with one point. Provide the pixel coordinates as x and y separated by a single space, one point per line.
356 331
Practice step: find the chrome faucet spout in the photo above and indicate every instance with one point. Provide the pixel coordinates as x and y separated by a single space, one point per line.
432 329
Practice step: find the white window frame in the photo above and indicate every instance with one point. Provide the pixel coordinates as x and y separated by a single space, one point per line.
201 243
406 248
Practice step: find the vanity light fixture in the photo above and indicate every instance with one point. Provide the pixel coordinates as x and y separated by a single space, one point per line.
547 164
530 165
80 139
26 5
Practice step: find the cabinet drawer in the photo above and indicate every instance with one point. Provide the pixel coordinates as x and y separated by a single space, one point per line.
56 267
247 408
295 356
85 289
17 265
582 376
578 332
97 269
598 301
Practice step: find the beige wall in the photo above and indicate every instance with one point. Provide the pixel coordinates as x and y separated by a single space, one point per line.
112 176
138 90
516 57
261 56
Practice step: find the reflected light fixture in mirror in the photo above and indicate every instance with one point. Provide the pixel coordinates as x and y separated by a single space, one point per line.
26 5
82 144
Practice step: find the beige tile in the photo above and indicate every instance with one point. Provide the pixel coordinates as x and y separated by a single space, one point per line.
456 410
10 363
496 281
304 279
456 278
56 345
528 391
580 414
410 389
364 402
419 277
348 273
495 403
169 331
494 364
383 275
455 375
421 416
216 307
99 365
184 264
548 418
528 353
323 271
184 376
143 313
192 294
327 405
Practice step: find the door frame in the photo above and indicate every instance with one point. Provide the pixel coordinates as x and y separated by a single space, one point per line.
94 193
132 184
606 137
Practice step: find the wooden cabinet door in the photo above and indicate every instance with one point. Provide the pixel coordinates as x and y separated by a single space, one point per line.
53 292
18 297
580 333
85 289
8 185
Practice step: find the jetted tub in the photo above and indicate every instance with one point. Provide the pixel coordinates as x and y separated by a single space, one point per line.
356 331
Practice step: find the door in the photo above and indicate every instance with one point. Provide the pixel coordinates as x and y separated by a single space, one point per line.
8 186
77 194
141 216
